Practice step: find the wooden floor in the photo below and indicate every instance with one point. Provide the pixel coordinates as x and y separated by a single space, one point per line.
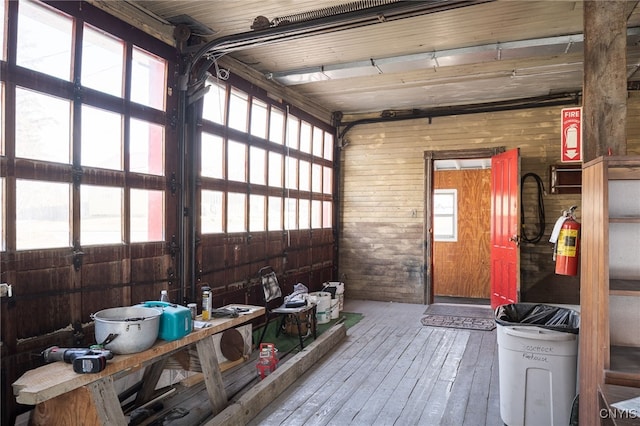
392 370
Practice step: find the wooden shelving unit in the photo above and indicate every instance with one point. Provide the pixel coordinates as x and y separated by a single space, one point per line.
610 286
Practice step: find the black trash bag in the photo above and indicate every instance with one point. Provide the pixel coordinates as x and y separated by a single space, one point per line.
330 289
544 316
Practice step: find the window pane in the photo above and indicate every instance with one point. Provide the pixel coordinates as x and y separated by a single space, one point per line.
214 103
290 213
316 178
293 129
259 118
443 228
147 215
148 79
316 214
44 40
43 214
237 166
305 137
327 180
211 212
318 134
305 176
238 110
101 138
212 156
328 146
275 214
276 126
236 212
257 166
2 29
100 215
146 148
327 214
2 135
257 209
445 206
3 213
303 215
102 61
43 129
275 169
292 173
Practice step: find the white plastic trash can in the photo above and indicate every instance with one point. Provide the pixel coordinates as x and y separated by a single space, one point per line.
537 369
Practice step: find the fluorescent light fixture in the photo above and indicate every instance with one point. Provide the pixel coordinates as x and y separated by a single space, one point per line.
462 56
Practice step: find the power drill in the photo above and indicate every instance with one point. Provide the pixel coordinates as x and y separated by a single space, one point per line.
84 360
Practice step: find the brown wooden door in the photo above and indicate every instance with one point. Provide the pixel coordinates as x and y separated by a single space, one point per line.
461 268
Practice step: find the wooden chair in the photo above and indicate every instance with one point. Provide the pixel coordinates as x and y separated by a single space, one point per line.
272 292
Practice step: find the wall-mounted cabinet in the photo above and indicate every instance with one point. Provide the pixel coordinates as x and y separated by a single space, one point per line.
610 287
565 179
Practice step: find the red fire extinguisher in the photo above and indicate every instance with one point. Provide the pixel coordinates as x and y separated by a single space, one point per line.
567 243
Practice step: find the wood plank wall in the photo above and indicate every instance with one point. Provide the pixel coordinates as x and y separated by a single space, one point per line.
381 246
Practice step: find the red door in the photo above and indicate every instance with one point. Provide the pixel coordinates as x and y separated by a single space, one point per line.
505 227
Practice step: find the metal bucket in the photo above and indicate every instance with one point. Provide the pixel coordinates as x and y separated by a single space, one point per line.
136 328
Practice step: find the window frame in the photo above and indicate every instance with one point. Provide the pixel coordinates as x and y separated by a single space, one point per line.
451 198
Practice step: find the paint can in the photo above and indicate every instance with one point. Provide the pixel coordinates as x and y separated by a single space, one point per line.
323 308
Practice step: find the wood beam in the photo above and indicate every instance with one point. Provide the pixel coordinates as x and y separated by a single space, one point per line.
605 80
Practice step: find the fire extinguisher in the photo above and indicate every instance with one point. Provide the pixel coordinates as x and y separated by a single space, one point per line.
566 237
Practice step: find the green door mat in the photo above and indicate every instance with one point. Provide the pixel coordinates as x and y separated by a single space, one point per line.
286 343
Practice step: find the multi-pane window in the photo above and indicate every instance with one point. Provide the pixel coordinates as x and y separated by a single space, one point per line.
82 147
271 169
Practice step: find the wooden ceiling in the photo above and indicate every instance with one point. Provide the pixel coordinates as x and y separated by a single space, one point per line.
473 53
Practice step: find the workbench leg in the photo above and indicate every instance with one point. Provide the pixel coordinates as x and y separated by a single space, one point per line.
212 375
93 404
149 381
105 398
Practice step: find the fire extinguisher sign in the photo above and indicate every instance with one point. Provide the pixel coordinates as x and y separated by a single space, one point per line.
571 135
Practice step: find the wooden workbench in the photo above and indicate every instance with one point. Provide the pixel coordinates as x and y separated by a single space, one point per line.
63 397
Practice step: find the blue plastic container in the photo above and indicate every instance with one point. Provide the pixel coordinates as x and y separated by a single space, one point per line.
175 321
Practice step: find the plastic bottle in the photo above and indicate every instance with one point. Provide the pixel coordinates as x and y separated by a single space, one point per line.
206 304
164 296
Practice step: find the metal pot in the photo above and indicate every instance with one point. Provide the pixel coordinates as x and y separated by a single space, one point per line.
135 328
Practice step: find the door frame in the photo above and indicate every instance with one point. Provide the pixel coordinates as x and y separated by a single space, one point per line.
430 157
